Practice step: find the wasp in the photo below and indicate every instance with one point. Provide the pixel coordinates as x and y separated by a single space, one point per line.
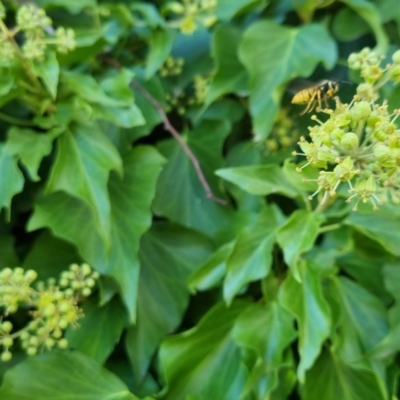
313 95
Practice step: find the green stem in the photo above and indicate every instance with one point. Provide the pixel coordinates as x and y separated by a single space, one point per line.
15 121
18 52
328 228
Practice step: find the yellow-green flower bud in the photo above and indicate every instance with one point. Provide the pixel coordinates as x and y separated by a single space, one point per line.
30 275
396 57
62 343
366 91
50 310
50 342
380 135
342 120
6 326
394 73
361 110
31 351
7 341
349 141
381 152
6 356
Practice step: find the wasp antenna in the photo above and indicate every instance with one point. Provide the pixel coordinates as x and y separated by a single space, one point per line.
347 82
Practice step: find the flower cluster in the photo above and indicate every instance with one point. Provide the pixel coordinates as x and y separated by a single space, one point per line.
284 134
54 306
172 67
38 34
361 139
193 13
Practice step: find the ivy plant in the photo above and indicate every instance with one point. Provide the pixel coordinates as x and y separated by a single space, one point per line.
173 226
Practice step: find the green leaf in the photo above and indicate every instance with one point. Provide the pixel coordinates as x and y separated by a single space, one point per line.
87 88
84 161
180 195
193 359
348 25
251 258
391 277
6 81
307 303
364 312
297 236
366 269
63 214
161 41
266 329
124 117
130 218
231 77
274 54
30 147
211 273
259 179
168 255
227 9
62 375
12 180
331 379
380 227
370 14
72 6
150 114
49 71
108 322
50 256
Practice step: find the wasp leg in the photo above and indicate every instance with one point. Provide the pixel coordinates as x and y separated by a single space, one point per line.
311 104
326 102
319 108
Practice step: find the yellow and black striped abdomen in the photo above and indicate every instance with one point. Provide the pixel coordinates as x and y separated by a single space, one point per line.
305 95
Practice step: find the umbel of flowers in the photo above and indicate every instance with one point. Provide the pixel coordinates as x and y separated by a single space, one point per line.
359 144
53 306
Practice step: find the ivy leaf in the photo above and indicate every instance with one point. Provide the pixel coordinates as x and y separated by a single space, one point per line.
61 375
211 273
271 62
379 227
161 41
251 258
6 81
12 180
130 218
180 195
30 147
124 117
49 256
226 10
370 14
364 312
86 87
192 360
84 160
306 302
259 180
49 71
266 329
231 77
168 255
108 322
297 236
331 379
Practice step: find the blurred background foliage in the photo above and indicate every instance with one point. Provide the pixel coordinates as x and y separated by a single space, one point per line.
256 298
